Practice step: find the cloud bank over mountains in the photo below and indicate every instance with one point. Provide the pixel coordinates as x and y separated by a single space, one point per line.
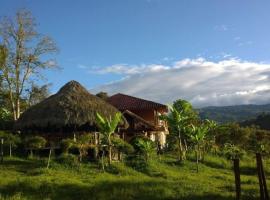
202 82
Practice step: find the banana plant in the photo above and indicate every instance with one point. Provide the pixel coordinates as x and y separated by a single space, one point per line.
197 136
107 128
177 121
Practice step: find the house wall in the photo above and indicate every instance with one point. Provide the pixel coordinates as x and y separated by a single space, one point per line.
147 115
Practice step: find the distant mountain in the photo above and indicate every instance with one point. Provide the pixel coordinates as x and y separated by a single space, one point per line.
239 113
262 121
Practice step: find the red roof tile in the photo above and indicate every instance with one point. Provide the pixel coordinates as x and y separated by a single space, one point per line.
126 102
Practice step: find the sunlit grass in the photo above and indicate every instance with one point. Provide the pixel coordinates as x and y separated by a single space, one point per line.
163 179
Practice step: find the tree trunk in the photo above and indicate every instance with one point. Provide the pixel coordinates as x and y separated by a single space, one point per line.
110 154
180 148
80 155
18 108
31 153
49 159
197 157
96 149
110 150
102 160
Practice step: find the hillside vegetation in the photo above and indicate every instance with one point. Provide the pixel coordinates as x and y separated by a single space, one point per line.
225 114
262 121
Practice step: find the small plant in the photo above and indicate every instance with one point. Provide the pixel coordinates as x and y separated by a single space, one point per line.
233 152
83 144
35 142
10 140
65 145
122 146
68 160
144 147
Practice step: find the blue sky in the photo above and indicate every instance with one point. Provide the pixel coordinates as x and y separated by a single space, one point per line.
102 41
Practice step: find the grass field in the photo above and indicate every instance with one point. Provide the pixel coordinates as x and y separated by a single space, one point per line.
164 179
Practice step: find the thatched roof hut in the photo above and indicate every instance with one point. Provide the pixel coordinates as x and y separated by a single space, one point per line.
71 108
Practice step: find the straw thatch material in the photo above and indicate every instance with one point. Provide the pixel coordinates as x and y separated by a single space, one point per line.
72 106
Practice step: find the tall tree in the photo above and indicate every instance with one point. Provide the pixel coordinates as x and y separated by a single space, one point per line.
37 93
26 52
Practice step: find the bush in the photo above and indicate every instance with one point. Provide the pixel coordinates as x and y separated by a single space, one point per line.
233 152
122 145
65 145
143 146
68 160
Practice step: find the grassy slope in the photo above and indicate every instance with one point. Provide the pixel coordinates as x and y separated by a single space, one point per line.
24 179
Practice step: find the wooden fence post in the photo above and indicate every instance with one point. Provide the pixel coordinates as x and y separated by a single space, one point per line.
237 178
262 180
2 150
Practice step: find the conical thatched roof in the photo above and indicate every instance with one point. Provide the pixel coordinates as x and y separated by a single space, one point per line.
71 107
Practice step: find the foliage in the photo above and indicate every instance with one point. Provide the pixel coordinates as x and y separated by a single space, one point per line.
198 135
247 138
83 143
107 128
261 121
232 152
144 146
34 142
6 121
230 114
122 145
179 119
37 93
26 51
10 140
66 144
68 160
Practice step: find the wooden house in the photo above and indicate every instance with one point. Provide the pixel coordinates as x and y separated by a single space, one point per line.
143 117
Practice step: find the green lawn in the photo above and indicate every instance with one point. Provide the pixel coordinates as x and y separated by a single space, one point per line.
28 179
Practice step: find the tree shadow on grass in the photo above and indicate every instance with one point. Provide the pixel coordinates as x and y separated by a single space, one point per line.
24 166
145 190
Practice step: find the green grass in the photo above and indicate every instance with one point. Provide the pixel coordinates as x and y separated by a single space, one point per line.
163 179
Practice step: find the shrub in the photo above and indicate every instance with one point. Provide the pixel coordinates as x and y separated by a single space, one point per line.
65 145
122 145
35 142
232 152
68 160
143 146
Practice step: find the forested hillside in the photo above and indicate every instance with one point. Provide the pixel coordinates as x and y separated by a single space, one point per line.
237 113
262 121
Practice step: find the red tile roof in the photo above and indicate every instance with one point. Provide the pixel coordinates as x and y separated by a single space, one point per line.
125 102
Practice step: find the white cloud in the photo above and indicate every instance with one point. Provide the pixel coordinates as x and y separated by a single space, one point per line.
129 70
203 82
247 43
221 27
